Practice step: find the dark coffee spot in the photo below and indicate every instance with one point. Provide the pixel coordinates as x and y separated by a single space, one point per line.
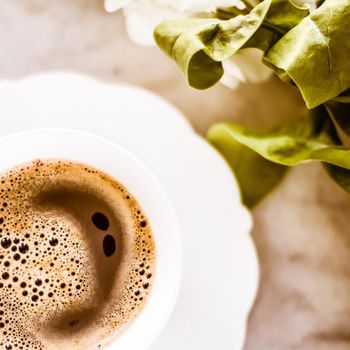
109 245
23 248
6 242
17 257
38 282
53 241
100 221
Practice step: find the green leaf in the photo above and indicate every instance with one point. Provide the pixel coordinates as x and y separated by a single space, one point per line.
284 15
264 39
229 12
256 175
310 138
315 53
199 45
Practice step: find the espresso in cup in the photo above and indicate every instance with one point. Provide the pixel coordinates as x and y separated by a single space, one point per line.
77 257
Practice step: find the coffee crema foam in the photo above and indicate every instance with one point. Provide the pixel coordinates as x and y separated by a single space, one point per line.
77 257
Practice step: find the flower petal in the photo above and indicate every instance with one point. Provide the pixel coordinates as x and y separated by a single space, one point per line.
250 62
142 17
194 6
233 75
115 5
244 66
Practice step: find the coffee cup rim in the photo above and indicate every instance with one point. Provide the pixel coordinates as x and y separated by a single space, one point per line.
80 146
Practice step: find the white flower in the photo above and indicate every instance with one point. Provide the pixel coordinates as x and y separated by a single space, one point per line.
142 16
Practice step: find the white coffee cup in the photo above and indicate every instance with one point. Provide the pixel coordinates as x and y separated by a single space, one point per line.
79 146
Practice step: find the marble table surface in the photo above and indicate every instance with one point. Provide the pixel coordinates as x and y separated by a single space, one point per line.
300 230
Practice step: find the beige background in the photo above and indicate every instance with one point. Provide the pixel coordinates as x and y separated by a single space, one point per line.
301 230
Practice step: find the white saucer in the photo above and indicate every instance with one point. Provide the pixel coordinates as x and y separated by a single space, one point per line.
220 265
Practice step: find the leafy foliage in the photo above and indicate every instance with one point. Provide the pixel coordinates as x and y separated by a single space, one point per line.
309 50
